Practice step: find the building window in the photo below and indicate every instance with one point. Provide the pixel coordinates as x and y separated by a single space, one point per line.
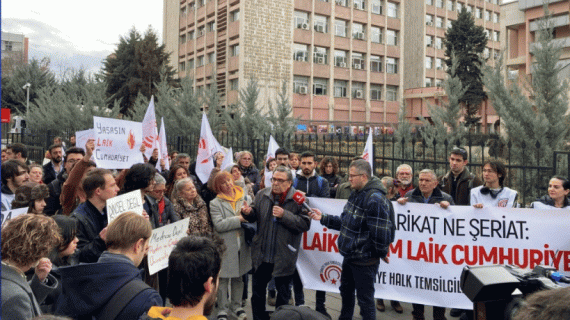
234 84
300 84
341 2
439 22
360 4
440 3
182 40
392 10
496 35
429 2
486 53
190 64
191 6
391 93
182 66
450 5
200 3
375 92
300 52
320 86
458 6
340 28
234 15
358 61
200 61
375 63
487 15
438 83
340 58
478 14
340 88
469 8
190 36
391 65
211 26
321 24
429 41
201 31
183 11
495 17
391 37
320 55
439 43
376 6
358 31
448 25
234 50
358 90
428 82
212 57
376 34
301 20
429 62
438 63
429 20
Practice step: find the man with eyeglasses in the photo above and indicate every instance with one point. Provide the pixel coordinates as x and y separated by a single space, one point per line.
281 223
458 182
53 204
366 230
405 179
14 174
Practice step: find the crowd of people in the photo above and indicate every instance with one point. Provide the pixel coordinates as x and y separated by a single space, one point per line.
64 258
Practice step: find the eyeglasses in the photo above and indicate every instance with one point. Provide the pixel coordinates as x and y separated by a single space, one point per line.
72 161
273 180
352 176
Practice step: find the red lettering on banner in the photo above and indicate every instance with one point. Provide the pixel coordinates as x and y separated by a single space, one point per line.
396 248
430 253
325 242
104 142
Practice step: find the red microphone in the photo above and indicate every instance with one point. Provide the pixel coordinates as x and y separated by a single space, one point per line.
299 197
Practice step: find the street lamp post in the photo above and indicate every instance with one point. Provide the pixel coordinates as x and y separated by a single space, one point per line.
27 87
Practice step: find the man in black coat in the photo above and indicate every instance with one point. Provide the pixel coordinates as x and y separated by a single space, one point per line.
54 167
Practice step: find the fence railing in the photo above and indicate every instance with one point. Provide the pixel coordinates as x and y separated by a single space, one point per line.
530 179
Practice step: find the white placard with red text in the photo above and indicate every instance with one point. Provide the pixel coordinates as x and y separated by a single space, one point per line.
162 243
433 245
117 143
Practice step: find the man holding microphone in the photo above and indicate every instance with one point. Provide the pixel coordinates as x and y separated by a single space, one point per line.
281 223
366 228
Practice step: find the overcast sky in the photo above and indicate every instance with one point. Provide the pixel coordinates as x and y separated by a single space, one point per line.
76 34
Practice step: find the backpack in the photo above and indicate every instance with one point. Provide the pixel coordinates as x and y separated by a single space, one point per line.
288 312
122 298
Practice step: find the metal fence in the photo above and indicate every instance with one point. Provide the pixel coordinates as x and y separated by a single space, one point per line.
530 179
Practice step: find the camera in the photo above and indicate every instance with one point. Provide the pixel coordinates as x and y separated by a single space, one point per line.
497 291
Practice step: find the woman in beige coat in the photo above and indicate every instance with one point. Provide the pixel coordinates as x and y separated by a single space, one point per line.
225 211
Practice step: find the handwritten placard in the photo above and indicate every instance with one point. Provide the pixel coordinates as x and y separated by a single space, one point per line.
162 243
127 202
11 214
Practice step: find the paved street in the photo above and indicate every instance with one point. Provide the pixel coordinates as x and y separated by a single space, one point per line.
334 303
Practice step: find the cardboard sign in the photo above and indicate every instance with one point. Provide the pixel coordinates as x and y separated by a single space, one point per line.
11 214
162 243
117 143
81 137
127 202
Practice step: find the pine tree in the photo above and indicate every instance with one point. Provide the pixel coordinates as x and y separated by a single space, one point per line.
282 121
135 67
466 42
183 115
539 116
247 119
215 112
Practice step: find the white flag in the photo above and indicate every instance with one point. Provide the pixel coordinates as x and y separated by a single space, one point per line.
228 159
273 146
207 148
150 132
368 154
163 148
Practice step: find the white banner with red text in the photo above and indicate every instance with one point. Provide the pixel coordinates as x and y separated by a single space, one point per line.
433 245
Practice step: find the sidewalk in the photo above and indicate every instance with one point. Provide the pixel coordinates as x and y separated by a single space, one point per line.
333 305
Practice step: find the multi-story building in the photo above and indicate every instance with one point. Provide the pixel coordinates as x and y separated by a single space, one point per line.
521 24
424 51
341 60
14 51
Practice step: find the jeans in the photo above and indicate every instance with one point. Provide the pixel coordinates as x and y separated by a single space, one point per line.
418 312
298 289
360 279
260 279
